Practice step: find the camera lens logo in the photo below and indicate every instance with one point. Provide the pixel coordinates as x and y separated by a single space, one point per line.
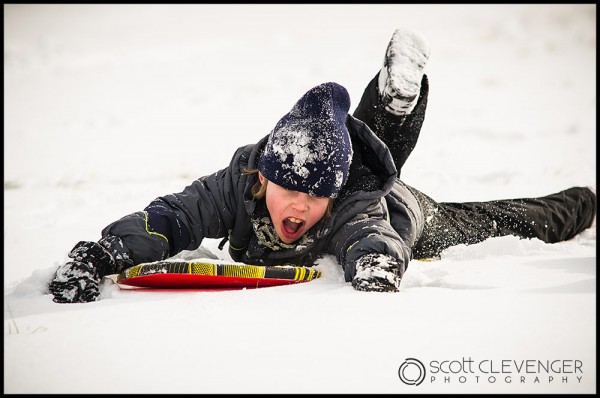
412 372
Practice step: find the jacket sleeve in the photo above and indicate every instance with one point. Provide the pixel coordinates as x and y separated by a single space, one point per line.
180 221
368 232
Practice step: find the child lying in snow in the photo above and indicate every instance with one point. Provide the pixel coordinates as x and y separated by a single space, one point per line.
325 182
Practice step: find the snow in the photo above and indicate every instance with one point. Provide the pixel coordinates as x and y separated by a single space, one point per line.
109 106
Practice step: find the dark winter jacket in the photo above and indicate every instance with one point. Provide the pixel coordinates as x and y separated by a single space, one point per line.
375 213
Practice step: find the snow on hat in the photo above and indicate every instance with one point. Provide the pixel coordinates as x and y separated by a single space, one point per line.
309 150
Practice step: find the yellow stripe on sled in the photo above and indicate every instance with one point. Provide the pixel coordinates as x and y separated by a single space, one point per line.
244 271
202 268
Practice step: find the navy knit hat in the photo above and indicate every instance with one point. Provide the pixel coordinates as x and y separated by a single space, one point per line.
309 150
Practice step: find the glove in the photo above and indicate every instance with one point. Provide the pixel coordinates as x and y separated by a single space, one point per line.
78 281
377 273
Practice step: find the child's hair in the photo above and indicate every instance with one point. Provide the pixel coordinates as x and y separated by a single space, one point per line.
259 191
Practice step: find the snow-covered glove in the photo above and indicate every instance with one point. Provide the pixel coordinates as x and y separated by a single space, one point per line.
377 273
78 281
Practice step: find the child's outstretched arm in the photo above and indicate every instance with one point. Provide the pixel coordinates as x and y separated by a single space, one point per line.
169 224
373 255
178 221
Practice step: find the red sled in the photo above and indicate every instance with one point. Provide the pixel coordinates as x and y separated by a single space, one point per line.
208 274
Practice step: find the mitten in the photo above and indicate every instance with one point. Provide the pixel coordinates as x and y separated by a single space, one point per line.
78 281
377 273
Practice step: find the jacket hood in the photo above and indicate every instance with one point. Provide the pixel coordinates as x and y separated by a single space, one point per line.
372 172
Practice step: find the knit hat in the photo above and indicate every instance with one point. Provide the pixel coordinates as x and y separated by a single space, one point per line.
309 150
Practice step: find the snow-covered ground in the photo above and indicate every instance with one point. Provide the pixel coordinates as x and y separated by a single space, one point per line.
108 106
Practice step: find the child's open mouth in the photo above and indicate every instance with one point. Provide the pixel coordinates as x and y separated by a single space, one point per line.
292 227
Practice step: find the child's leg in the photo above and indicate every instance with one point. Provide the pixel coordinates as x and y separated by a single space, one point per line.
394 102
552 218
399 133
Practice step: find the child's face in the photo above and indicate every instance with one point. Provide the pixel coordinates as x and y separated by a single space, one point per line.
292 212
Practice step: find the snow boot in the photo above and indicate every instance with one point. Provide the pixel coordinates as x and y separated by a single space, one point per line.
400 77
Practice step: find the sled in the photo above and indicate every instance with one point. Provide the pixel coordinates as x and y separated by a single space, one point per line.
207 274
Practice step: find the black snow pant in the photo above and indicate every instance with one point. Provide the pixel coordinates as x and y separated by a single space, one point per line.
552 218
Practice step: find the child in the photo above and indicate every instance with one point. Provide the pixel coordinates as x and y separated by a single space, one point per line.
325 182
